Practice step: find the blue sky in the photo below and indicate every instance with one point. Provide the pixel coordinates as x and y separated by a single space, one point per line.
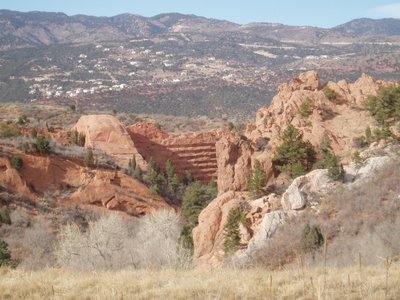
291 12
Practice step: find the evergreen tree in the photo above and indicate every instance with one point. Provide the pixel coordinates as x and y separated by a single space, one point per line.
169 169
5 216
17 162
356 158
293 155
5 256
196 197
231 231
257 180
329 93
311 238
335 170
306 107
152 173
385 107
132 165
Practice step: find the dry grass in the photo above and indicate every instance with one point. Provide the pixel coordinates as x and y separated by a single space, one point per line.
196 284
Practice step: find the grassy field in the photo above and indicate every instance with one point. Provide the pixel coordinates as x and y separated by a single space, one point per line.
351 283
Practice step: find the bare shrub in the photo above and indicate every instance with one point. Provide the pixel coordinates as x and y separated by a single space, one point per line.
112 243
157 241
38 242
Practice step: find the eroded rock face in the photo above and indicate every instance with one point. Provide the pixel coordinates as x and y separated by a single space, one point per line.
234 163
117 191
68 183
188 151
11 179
208 236
106 133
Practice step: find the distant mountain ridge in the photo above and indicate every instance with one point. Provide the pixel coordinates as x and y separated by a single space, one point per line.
364 26
21 29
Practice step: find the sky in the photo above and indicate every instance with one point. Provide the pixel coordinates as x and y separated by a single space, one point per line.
291 12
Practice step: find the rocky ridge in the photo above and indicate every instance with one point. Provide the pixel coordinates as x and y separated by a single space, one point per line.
342 119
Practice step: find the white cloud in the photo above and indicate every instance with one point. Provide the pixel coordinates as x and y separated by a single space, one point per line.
386 11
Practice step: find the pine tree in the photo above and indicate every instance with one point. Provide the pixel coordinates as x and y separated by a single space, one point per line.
5 256
132 165
5 216
335 170
293 155
42 145
169 169
231 231
306 107
311 238
152 173
256 181
196 197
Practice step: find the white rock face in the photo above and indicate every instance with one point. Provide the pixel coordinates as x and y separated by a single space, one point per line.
296 195
357 175
268 227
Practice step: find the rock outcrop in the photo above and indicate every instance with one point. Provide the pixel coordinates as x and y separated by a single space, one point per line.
302 188
208 236
106 133
269 225
234 163
65 182
341 119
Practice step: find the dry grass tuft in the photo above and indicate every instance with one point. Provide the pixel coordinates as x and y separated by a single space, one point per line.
198 284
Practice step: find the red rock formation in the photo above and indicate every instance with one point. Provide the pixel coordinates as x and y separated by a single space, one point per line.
342 119
208 236
106 133
69 183
188 151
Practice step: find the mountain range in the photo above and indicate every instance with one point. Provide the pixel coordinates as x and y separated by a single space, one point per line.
45 28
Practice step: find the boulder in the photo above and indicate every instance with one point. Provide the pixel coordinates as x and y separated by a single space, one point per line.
303 188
